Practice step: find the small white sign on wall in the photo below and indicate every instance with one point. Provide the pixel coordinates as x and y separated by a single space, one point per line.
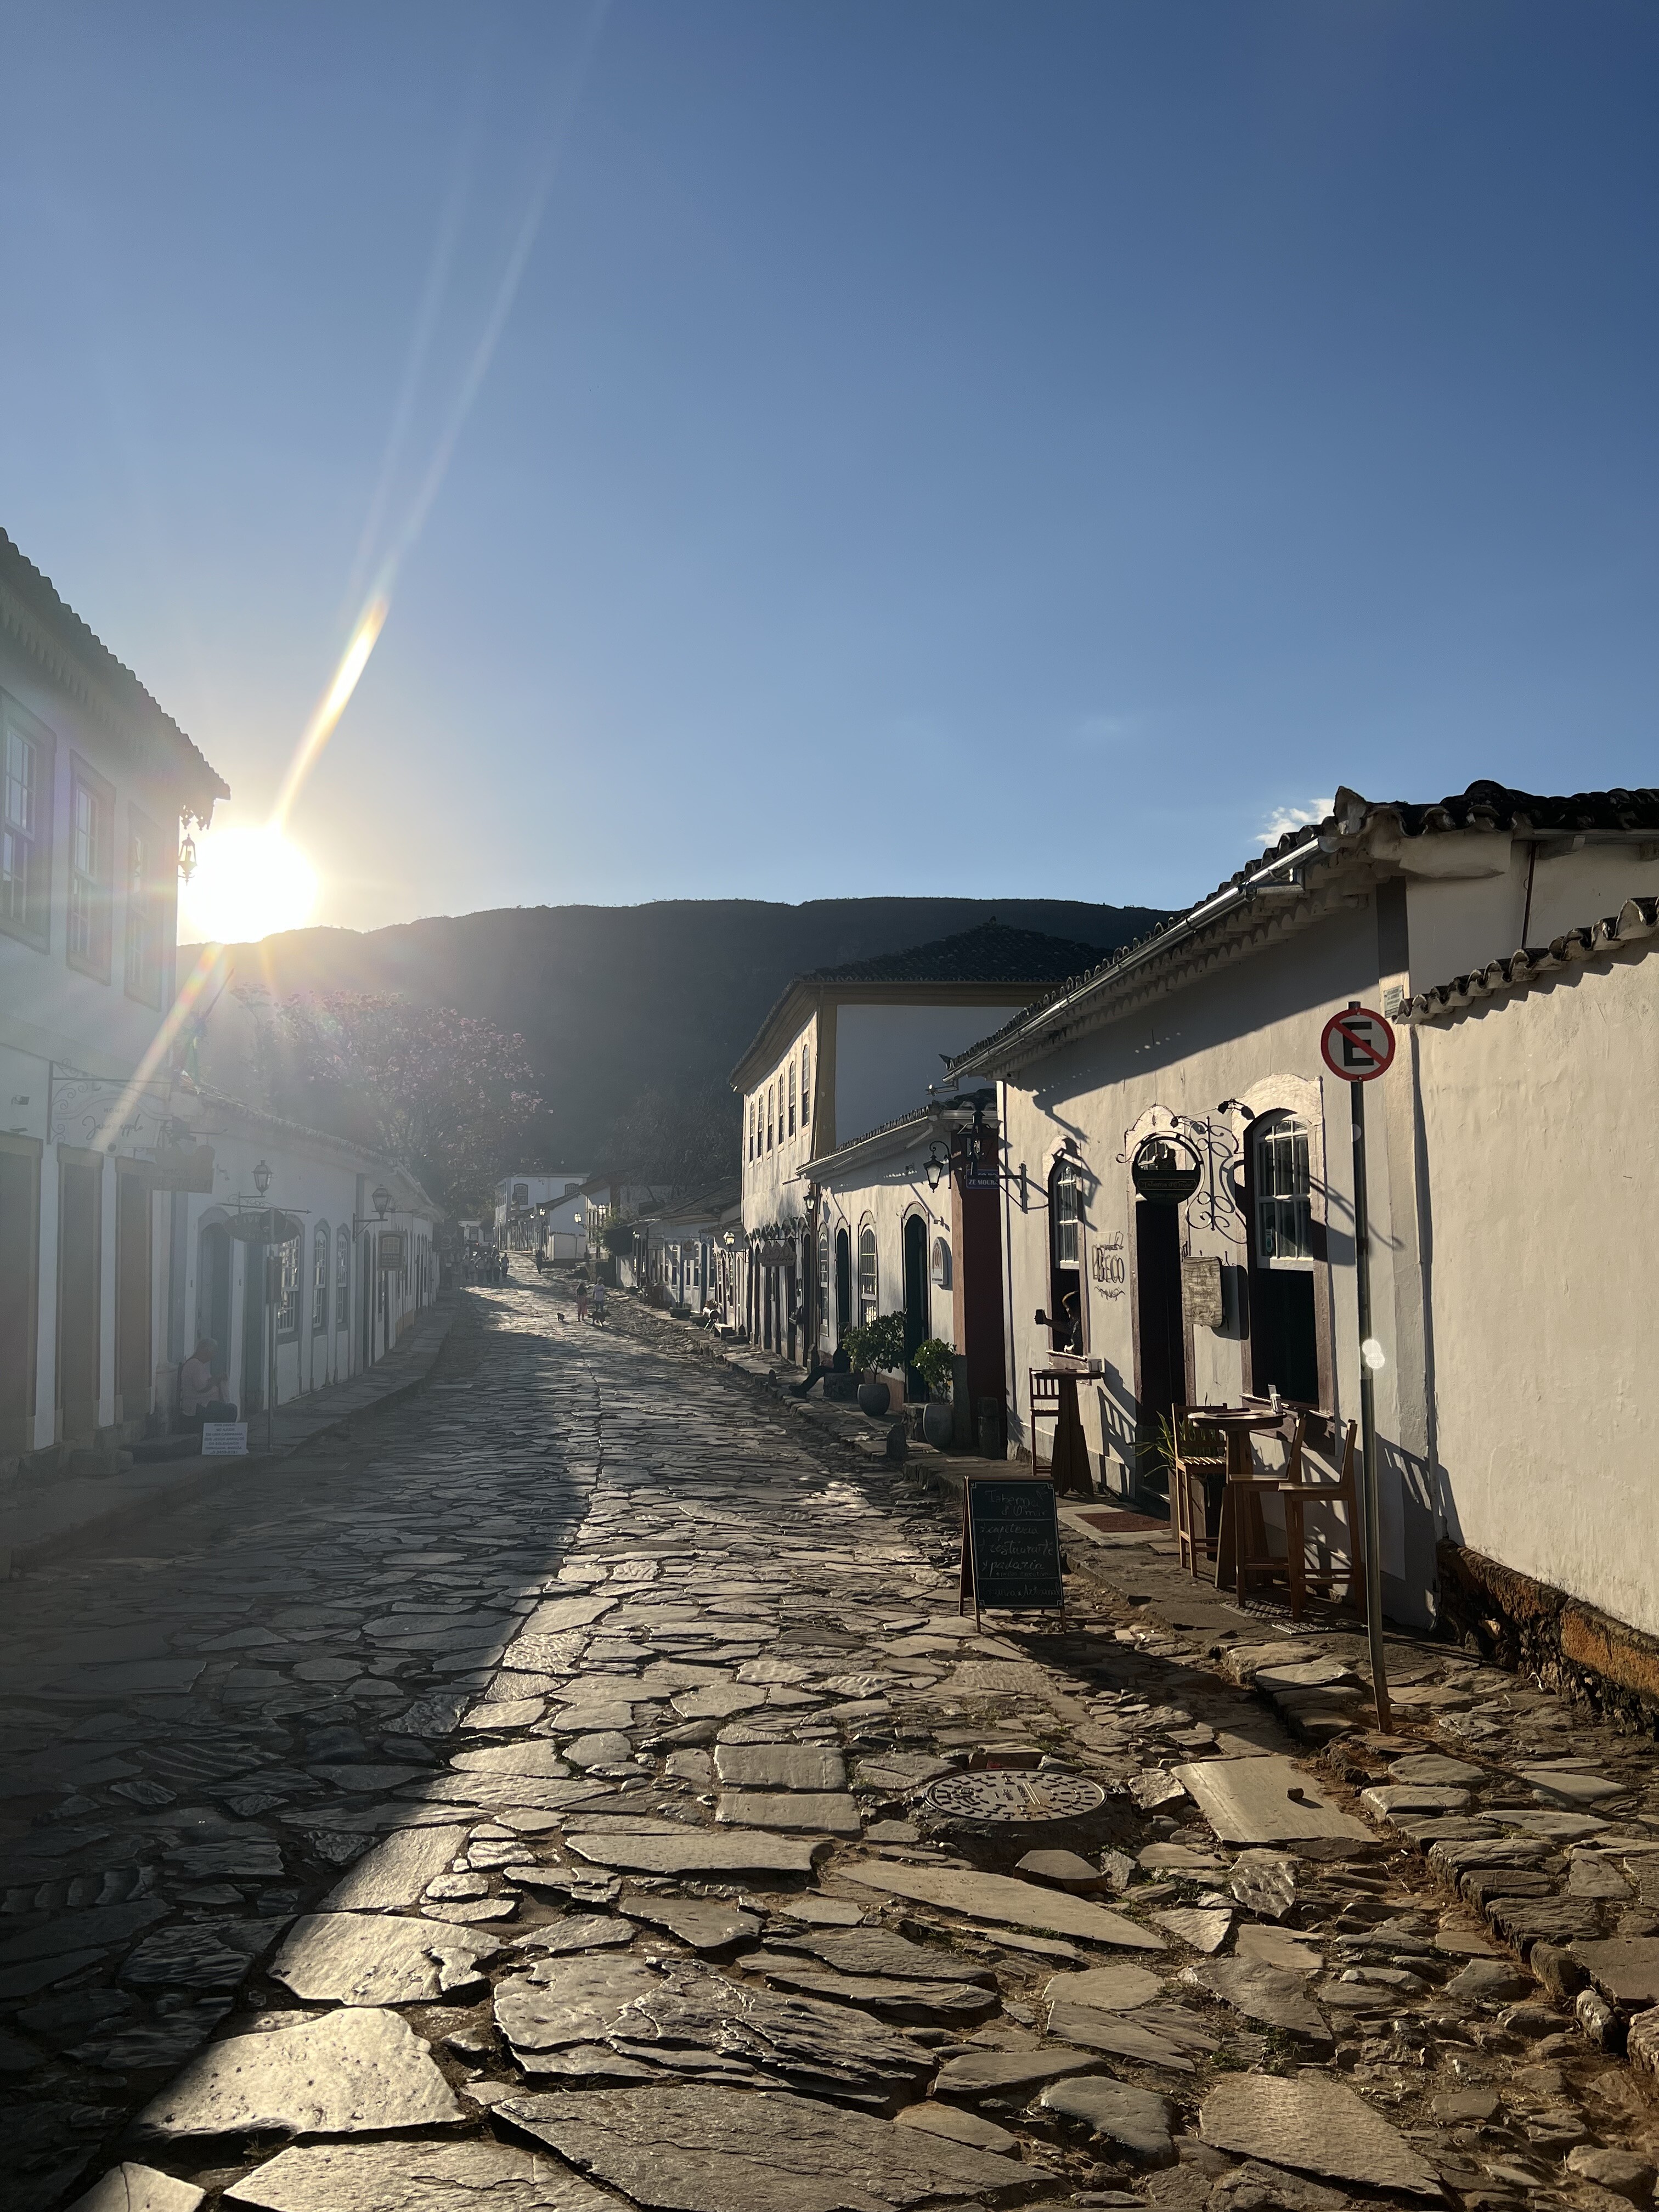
224 1439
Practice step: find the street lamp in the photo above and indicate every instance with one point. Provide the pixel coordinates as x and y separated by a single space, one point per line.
187 857
382 1200
261 1177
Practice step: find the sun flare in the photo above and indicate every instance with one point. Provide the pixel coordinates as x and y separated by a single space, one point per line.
248 883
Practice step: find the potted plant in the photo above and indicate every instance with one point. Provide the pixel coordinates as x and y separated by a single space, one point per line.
935 1362
874 1344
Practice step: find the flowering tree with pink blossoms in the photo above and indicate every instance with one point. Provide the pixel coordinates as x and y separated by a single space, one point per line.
445 1095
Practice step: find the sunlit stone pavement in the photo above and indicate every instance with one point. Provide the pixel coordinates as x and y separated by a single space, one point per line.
531 1793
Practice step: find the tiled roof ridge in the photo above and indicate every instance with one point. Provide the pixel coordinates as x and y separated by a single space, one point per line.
39 597
281 1125
1638 918
911 965
1484 805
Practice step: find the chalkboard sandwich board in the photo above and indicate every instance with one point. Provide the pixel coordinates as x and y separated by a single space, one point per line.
1010 1545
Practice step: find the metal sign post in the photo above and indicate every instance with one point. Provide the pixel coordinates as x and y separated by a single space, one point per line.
1358 1046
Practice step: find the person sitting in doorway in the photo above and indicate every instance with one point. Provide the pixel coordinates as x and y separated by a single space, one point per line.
200 1392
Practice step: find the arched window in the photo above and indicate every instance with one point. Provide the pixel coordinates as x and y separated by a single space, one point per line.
1065 1259
1284 1192
792 1098
769 1116
319 1259
751 1128
941 1264
806 1084
869 1285
343 1277
1284 1302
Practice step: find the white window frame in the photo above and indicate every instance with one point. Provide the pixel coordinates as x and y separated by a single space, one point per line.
322 1263
1271 1209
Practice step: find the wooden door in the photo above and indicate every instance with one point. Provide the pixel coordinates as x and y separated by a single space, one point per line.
1160 1328
916 1330
134 1375
79 1246
843 1284
254 1357
20 1286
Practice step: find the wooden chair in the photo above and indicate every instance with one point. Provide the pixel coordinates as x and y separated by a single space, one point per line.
1045 1406
1298 1493
1184 1474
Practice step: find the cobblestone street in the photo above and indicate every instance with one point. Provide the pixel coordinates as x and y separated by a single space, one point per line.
576 1783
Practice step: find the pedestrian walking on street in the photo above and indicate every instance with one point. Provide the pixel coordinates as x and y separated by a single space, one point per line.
581 1302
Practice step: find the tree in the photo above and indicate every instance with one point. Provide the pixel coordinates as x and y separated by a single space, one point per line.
684 1140
446 1095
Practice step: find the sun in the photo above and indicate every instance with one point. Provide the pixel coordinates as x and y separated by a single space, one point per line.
247 885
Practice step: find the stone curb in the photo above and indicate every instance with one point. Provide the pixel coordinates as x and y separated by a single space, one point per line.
197 1476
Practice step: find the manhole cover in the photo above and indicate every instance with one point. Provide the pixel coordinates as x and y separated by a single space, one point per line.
1016 1794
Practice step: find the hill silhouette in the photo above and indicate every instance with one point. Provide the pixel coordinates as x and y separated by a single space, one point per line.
619 1004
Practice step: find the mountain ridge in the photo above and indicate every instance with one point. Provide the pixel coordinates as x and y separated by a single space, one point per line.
614 1003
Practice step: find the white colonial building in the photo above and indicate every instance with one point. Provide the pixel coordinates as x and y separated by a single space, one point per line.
843 1051
97 780
1196 1057
128 1195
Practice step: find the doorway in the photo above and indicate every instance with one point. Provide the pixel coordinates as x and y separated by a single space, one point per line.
916 1301
1160 1333
134 1378
843 1285
366 1294
253 1330
20 1274
213 1294
78 1210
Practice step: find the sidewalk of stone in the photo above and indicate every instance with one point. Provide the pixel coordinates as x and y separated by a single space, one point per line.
47 1516
1541 1813
719 1865
858 1430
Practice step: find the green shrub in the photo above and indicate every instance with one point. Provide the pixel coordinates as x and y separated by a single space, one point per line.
879 1342
935 1362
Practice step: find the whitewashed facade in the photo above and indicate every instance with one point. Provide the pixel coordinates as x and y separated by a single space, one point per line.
1209 1036
1536 1076
94 780
352 1277
844 1051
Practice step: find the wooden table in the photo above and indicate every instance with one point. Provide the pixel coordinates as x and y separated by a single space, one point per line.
1054 1390
1241 1495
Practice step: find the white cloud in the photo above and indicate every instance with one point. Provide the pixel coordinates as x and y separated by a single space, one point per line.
1285 819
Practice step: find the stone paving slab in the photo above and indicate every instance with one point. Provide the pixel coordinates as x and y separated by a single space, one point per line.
644 1526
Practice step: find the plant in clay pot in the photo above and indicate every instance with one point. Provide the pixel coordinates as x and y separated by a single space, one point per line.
935 1362
874 1344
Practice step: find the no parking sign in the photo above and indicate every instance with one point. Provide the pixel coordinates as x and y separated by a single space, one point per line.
1357 1045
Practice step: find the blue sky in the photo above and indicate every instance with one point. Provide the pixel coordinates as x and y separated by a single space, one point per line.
1012 449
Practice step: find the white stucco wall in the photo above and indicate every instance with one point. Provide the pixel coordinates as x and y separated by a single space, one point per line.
1459 924
1543 1175
886 1195
886 1056
1249 1031
770 1191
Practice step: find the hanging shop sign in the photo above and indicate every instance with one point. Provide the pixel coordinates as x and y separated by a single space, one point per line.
1357 1045
178 1168
263 1224
392 1252
1166 1169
